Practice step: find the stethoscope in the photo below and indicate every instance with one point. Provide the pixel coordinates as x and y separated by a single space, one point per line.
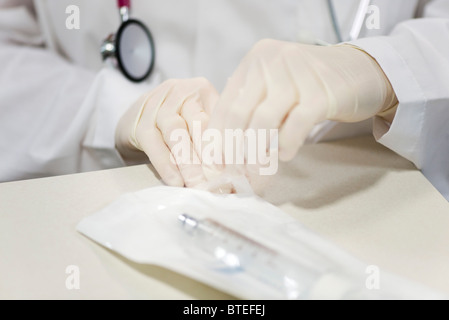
357 25
132 47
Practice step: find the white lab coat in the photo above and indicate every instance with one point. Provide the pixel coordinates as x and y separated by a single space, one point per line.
60 104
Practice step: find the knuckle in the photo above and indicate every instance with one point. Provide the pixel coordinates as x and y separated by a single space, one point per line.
170 82
202 81
204 84
264 43
261 46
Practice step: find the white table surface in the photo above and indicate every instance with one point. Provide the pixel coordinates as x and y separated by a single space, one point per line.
356 193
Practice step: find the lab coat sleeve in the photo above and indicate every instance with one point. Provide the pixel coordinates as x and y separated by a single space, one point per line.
109 96
415 57
57 118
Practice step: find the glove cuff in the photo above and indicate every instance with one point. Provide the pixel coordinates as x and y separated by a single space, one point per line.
391 101
133 138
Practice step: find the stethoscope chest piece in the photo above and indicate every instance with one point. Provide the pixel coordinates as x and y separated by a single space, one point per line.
131 48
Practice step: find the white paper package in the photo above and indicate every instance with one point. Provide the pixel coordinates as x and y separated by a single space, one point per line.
245 247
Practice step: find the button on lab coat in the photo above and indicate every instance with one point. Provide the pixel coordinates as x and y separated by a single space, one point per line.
60 103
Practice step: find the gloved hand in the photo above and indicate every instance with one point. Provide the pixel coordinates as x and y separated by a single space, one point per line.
292 87
148 125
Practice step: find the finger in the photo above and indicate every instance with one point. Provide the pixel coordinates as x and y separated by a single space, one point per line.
311 109
197 120
197 107
151 140
208 98
250 95
196 111
153 145
236 140
263 50
269 115
229 94
208 95
232 92
213 161
281 98
298 126
176 134
215 166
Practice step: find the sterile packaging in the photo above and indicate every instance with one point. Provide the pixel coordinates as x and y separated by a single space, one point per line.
239 244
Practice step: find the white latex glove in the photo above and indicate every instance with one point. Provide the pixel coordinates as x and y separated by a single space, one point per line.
149 123
292 87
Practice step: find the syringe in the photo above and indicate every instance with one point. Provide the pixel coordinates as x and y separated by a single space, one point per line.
242 254
312 277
